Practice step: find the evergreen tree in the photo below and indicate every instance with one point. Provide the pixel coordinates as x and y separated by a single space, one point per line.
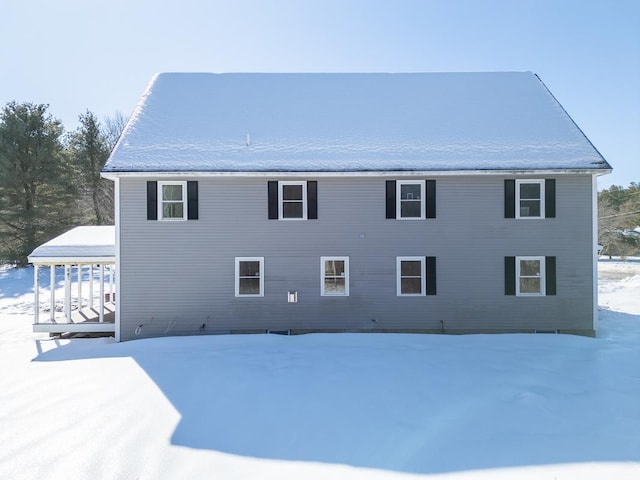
89 149
36 187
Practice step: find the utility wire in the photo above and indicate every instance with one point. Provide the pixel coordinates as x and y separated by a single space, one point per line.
620 215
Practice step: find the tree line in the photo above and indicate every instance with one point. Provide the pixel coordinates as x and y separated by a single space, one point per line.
619 220
50 179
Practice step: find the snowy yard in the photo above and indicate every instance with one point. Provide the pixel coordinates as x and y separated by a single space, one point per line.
356 406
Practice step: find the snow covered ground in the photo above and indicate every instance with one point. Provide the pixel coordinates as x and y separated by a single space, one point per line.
353 406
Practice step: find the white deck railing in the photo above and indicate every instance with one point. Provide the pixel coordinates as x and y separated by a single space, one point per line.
73 293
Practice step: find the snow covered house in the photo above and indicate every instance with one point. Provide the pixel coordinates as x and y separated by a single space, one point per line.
427 202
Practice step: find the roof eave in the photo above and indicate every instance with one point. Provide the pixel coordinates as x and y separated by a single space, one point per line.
71 260
113 175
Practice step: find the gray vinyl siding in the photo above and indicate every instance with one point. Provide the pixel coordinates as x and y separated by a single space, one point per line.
178 277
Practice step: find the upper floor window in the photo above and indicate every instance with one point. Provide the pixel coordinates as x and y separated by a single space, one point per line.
335 276
173 201
410 202
529 198
292 200
410 199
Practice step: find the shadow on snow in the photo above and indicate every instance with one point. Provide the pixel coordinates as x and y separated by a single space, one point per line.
420 404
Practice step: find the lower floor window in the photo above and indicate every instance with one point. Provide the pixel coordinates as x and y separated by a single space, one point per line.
249 276
530 276
415 276
335 276
410 275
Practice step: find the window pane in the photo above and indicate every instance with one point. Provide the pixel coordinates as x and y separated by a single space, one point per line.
172 210
172 192
529 268
410 285
334 285
292 210
410 268
250 269
529 285
249 286
410 192
530 208
292 192
529 191
334 268
410 209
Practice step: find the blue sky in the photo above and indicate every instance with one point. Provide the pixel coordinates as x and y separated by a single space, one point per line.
77 55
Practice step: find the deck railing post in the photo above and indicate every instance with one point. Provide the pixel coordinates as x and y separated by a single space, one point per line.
101 293
91 285
52 310
67 292
36 295
79 286
111 269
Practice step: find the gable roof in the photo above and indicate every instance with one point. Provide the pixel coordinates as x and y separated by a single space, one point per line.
255 122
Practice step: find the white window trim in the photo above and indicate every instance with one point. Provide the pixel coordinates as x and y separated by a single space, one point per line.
346 277
281 185
237 276
543 273
161 218
423 273
542 195
423 201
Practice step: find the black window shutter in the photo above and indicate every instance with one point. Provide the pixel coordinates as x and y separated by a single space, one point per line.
509 275
152 200
509 199
192 200
312 200
272 194
550 272
391 199
550 198
431 275
431 199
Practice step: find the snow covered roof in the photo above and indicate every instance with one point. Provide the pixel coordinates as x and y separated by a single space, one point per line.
255 122
81 244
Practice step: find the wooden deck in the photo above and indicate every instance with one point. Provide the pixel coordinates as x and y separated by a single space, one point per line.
85 320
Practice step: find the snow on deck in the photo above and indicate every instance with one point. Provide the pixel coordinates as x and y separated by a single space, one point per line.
351 122
89 242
